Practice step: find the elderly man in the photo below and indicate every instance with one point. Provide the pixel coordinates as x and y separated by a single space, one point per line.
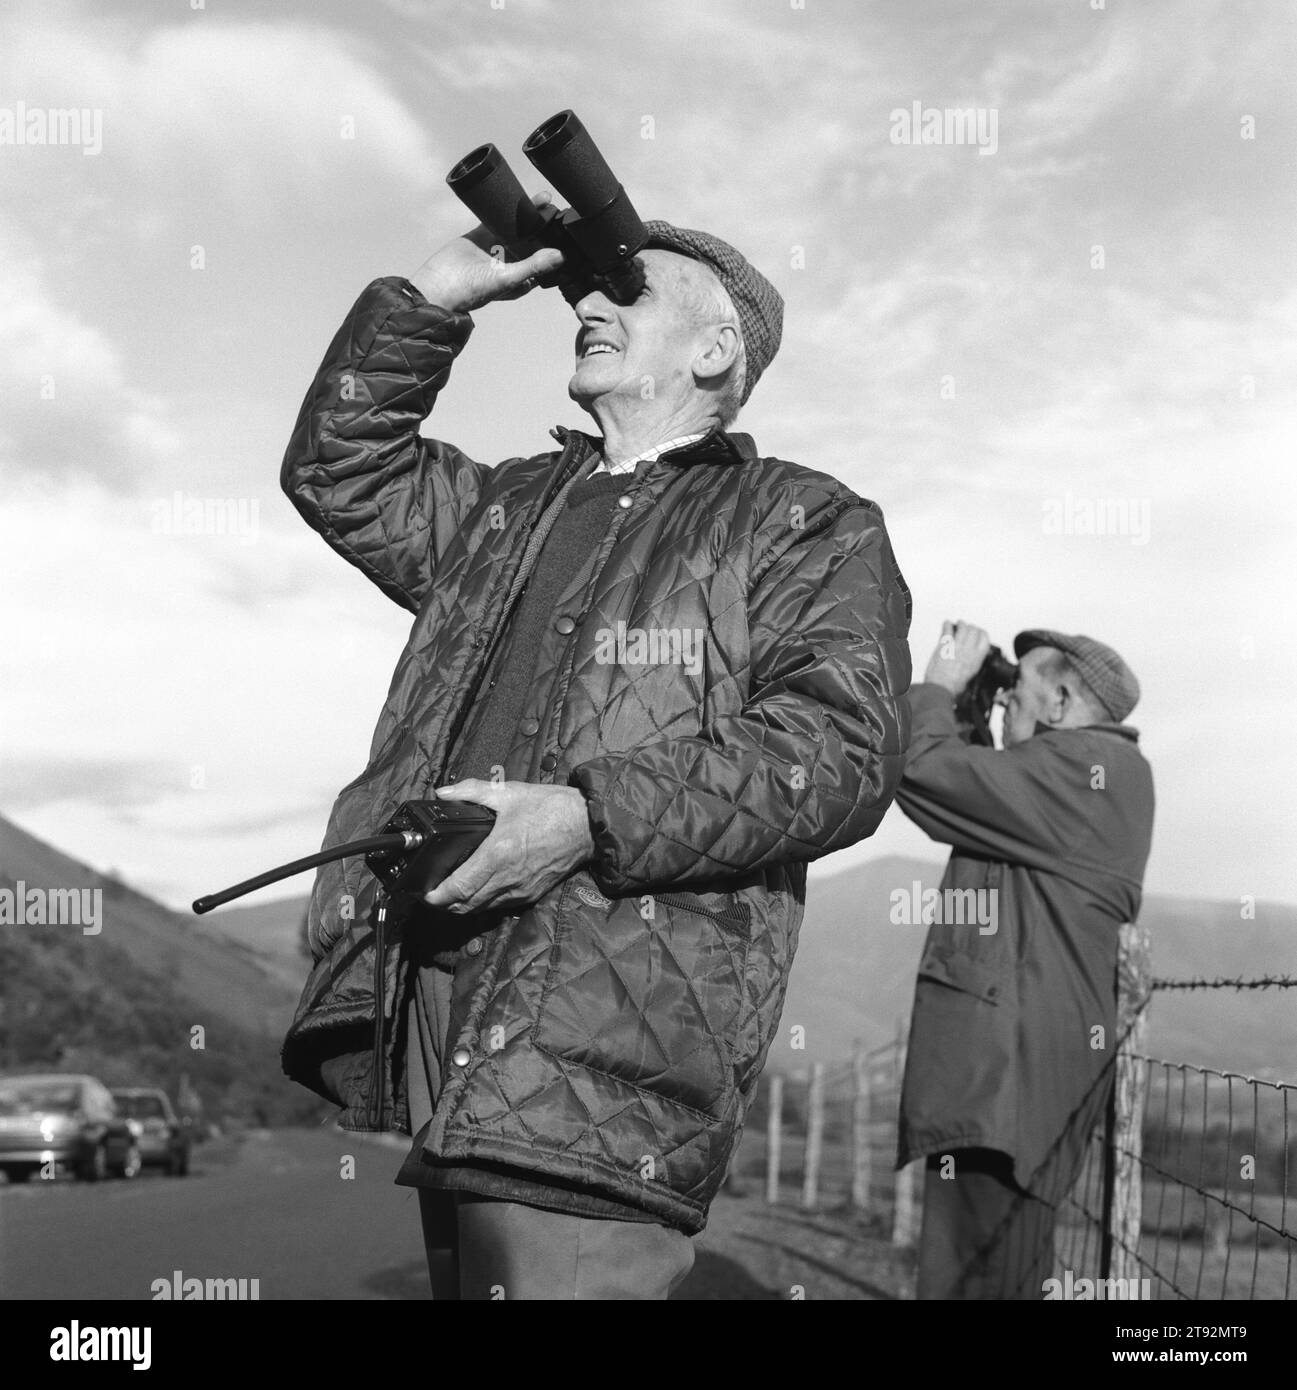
1012 1036
675 671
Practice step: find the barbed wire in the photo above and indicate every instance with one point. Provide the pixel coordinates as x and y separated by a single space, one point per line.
1094 1221
1205 1193
1266 982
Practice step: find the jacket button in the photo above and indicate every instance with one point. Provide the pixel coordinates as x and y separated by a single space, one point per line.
624 500
548 763
474 947
461 1057
530 727
565 625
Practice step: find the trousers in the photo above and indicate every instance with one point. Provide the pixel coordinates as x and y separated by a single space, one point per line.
485 1248
983 1236
509 1250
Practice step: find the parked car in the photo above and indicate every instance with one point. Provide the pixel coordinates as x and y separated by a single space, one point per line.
163 1139
70 1122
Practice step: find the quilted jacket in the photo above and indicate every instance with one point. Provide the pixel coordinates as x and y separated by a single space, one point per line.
610 1035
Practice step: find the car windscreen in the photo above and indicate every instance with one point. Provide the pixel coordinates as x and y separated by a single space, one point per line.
140 1107
28 1097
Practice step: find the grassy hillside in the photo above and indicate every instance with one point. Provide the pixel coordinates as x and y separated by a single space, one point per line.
124 1004
224 976
271 934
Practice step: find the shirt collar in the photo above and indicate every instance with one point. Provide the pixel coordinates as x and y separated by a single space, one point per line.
648 455
715 446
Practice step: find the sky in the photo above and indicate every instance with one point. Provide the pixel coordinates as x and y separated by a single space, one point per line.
1085 308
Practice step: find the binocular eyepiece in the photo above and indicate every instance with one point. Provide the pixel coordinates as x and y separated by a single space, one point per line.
600 235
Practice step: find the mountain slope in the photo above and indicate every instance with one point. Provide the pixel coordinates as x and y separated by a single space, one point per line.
853 976
270 933
152 999
222 976
854 973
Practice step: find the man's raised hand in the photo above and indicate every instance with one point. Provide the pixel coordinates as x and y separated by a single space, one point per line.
471 270
958 657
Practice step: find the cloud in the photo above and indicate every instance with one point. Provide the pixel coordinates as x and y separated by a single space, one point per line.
492 66
182 706
216 134
32 782
244 111
71 408
139 656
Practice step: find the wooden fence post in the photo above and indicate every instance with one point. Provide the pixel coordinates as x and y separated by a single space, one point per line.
814 1138
903 1205
903 1210
1122 1166
774 1136
861 1157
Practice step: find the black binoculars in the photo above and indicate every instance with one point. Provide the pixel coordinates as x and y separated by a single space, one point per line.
600 235
974 703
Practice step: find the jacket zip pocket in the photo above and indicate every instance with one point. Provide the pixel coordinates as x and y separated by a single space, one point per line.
737 917
376 1082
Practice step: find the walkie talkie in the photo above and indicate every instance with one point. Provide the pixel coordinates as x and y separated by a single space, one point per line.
420 845
449 832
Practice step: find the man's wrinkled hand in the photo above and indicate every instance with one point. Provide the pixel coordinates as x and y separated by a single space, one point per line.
472 271
958 657
541 836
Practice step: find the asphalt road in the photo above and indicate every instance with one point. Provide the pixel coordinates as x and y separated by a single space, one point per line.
275 1208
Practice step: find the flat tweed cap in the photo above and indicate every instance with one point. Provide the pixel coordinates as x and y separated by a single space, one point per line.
1112 681
759 305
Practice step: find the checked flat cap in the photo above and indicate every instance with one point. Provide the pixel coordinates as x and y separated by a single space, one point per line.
759 305
1112 681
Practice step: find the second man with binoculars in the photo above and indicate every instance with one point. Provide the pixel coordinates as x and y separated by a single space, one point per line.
1013 1035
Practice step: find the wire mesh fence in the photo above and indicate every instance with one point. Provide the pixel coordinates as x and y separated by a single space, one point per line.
1188 1184
1216 1163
